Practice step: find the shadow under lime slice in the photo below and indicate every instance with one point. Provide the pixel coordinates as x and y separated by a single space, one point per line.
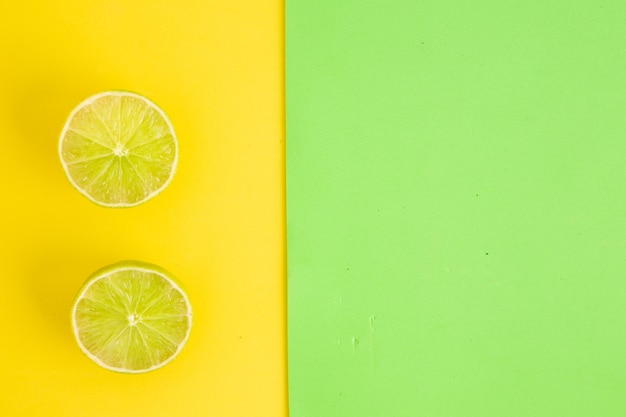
118 149
131 317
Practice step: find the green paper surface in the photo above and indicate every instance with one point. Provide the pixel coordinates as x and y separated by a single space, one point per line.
456 208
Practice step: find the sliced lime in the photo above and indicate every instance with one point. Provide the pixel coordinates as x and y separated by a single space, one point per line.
131 317
118 149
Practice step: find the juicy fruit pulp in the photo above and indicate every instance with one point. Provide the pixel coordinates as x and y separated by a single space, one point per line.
131 317
118 149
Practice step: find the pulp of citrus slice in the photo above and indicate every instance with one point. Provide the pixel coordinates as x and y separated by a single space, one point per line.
118 149
131 317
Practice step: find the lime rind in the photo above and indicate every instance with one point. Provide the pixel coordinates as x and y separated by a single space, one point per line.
157 336
101 148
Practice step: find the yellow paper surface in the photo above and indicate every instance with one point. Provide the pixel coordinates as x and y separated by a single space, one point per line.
216 68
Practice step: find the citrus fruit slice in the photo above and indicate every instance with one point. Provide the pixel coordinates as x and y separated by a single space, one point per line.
118 149
131 317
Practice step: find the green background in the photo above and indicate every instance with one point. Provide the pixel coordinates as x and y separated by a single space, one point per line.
456 209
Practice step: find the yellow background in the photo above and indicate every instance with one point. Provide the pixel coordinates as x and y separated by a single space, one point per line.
216 69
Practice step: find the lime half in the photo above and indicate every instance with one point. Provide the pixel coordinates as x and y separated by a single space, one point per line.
131 317
118 149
